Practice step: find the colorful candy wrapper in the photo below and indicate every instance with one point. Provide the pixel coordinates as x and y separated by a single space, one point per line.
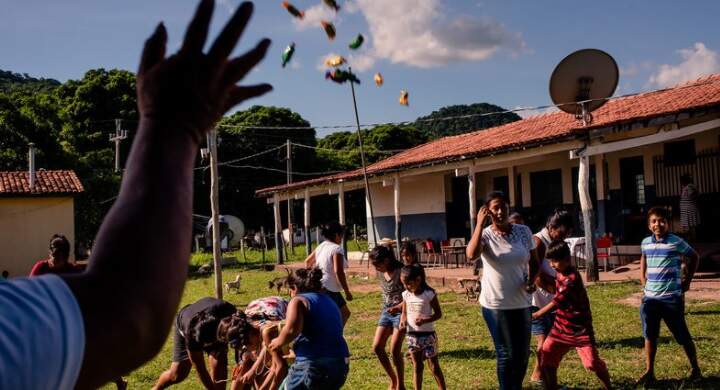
341 76
288 53
403 98
357 42
332 4
292 10
329 29
378 79
335 61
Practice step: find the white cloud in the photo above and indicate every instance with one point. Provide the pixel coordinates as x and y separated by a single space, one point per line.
417 33
698 60
361 62
229 6
313 16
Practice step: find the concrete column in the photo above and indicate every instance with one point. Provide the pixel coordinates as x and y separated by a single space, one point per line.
511 186
396 209
341 212
600 192
526 194
278 229
472 197
567 190
308 242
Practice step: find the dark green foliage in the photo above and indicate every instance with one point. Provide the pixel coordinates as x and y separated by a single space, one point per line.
442 128
16 82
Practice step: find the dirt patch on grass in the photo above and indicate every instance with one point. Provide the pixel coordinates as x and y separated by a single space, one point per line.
702 292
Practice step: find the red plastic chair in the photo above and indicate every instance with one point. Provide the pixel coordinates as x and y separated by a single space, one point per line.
603 245
433 258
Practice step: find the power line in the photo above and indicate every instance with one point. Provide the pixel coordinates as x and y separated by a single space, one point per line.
392 151
283 171
243 158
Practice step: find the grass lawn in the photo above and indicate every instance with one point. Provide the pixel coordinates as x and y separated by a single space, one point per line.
467 356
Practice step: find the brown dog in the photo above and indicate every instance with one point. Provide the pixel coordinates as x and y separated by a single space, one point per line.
280 282
471 287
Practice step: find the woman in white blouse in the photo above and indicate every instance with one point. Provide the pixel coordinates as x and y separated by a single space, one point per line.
510 267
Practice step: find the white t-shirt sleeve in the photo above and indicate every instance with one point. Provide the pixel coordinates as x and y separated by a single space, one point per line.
42 337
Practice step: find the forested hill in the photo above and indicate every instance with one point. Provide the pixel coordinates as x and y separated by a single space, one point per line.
10 81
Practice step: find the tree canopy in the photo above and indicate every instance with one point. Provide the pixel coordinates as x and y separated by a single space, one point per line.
441 128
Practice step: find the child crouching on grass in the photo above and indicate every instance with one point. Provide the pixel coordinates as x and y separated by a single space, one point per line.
420 309
389 271
573 321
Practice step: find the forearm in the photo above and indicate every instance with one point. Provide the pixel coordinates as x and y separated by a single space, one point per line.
135 277
475 245
343 279
545 309
533 267
198 361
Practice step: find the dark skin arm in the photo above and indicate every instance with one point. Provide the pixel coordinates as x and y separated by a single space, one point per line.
476 245
692 260
179 99
544 310
197 358
339 265
295 322
643 270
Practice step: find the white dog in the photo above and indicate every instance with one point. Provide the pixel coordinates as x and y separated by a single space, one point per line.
235 284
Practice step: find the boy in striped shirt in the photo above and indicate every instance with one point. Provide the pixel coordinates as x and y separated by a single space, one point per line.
665 286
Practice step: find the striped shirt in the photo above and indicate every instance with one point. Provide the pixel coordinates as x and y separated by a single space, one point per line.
663 262
573 319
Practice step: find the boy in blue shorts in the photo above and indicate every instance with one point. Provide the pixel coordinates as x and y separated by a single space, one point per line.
665 286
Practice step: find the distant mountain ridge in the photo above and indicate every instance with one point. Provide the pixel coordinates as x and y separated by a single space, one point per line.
11 82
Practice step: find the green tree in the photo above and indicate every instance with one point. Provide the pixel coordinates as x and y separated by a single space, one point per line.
441 128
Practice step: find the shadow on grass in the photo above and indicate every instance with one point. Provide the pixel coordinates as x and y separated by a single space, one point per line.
632 342
472 353
704 312
710 382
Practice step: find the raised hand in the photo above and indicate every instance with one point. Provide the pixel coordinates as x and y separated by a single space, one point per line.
191 90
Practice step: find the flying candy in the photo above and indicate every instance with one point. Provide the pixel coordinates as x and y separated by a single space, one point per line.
403 97
329 29
335 61
292 10
341 76
357 42
378 79
287 54
332 4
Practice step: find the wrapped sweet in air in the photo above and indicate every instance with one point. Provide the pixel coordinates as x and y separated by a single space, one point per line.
332 4
292 10
341 76
288 53
357 42
335 61
329 29
403 98
378 79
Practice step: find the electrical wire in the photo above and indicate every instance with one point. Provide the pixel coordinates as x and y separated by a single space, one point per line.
283 171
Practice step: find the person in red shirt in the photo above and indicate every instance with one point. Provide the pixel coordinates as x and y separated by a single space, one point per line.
59 260
573 321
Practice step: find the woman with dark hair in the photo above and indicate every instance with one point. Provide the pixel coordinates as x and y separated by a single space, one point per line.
689 214
330 258
58 261
559 226
196 333
510 266
249 333
315 327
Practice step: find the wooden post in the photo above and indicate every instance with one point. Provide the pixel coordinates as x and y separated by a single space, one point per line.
263 243
278 230
290 199
472 197
242 248
308 242
215 207
396 208
341 212
587 213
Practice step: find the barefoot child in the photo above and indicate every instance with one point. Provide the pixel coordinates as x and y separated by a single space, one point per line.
389 270
420 309
573 321
661 275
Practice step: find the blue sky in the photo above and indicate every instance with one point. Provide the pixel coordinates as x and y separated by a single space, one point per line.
442 51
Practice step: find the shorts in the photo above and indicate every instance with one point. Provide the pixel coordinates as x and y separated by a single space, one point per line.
669 309
337 298
388 320
317 373
426 343
542 325
180 352
554 349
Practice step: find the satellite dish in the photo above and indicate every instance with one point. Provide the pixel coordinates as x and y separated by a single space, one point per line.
589 76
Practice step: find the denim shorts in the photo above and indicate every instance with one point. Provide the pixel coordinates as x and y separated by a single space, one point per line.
317 373
388 320
542 325
670 309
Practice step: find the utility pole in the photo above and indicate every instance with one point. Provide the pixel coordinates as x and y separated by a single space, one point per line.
215 207
290 200
119 135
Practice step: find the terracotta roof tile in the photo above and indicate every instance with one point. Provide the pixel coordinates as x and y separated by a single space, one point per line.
541 129
46 182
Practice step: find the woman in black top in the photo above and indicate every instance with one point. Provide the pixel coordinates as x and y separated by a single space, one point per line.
196 333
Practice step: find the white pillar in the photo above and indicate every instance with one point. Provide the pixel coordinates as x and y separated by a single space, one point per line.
278 229
341 212
396 208
511 185
472 197
600 176
306 220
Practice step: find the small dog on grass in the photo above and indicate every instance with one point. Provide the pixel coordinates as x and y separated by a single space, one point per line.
235 284
280 282
471 287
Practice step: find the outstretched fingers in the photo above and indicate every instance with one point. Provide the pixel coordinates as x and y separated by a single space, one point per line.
238 67
154 50
197 30
238 94
226 41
